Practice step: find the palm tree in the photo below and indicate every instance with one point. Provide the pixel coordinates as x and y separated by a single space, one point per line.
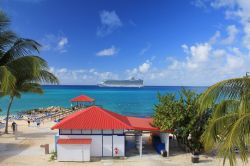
20 70
229 126
27 78
29 83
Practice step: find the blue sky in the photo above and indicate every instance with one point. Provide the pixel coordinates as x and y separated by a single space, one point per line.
168 42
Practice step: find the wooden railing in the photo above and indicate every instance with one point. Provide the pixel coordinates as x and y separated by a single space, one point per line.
58 115
62 114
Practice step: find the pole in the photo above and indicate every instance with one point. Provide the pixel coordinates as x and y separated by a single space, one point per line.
15 132
140 140
167 143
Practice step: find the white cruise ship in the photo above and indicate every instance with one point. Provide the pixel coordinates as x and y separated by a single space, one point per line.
136 83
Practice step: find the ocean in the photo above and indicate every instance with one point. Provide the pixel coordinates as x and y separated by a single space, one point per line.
127 101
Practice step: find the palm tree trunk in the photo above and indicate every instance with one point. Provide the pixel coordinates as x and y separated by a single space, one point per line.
8 114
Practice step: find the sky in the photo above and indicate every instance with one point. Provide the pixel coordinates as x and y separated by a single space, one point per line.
163 42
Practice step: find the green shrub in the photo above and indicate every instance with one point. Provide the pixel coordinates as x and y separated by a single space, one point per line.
53 156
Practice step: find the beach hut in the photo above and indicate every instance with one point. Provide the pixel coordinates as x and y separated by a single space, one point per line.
82 99
97 132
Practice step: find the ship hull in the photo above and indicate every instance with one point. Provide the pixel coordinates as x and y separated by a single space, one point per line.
120 86
132 83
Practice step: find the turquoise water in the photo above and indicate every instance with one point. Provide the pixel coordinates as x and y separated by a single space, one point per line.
127 101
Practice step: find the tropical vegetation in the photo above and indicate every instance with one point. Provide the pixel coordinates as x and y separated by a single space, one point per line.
181 115
228 129
21 70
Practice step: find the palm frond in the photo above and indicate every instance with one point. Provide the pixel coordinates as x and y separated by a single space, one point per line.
21 47
47 77
224 107
7 79
217 129
7 38
29 87
4 20
231 89
27 67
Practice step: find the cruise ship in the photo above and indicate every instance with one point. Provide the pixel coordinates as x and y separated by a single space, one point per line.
136 83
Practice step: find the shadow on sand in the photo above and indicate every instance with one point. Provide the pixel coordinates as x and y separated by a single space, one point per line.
11 149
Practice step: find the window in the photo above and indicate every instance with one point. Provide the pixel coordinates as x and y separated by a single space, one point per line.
107 132
86 131
64 131
118 131
76 131
96 131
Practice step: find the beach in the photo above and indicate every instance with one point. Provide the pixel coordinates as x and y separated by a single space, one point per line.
26 150
125 83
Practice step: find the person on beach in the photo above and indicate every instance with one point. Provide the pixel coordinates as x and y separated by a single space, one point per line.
38 122
13 126
28 122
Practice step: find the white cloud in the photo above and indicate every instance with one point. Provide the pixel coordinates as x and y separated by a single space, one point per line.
140 71
81 76
218 58
199 3
199 52
145 49
110 21
62 43
223 3
144 68
235 62
219 53
215 37
185 48
246 39
56 43
237 9
232 32
108 52
205 63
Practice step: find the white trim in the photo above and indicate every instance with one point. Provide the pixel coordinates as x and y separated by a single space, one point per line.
167 143
140 149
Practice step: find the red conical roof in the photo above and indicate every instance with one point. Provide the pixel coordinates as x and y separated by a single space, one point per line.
82 98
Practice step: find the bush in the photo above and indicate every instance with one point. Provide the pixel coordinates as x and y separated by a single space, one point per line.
181 115
53 156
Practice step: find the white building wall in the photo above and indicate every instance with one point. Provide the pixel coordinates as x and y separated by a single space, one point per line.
119 143
73 152
95 146
107 145
97 141
165 139
86 152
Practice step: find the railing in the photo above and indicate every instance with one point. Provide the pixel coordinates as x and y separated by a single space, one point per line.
63 114
58 115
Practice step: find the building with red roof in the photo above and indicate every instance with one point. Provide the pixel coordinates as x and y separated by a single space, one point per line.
99 132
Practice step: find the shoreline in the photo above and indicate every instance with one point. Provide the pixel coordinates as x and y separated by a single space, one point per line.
34 113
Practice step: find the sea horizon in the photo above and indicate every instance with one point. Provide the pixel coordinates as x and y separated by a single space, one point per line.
124 100
44 85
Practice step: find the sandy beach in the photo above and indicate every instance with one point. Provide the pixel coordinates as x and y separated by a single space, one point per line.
26 150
